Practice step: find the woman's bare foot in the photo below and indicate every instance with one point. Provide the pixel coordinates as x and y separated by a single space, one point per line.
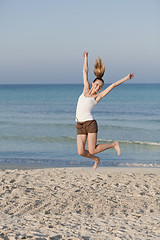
117 148
97 160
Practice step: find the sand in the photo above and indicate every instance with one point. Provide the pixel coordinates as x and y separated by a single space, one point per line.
79 203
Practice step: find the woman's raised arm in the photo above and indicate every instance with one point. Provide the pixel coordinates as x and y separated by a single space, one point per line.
85 72
113 85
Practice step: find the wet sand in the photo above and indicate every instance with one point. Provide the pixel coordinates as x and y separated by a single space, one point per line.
79 203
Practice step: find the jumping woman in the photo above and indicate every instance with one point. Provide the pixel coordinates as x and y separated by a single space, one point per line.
86 124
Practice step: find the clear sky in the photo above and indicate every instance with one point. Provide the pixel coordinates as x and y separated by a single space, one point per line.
42 41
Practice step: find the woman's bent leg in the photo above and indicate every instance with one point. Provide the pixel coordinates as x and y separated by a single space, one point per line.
81 142
95 148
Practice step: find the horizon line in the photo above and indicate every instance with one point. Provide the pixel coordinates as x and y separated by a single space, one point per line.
68 83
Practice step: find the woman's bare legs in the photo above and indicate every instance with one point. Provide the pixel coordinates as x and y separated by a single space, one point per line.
81 142
95 148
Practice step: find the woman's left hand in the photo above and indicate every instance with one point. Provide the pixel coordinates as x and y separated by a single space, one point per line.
130 76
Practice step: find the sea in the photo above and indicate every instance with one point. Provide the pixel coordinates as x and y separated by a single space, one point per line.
38 128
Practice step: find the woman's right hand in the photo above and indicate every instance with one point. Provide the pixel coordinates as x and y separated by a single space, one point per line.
85 53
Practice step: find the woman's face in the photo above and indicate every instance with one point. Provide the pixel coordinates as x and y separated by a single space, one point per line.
97 85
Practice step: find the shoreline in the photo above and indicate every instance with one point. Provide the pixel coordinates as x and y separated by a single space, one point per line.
80 203
9 166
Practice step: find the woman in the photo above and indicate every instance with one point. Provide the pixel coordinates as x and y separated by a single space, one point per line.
86 125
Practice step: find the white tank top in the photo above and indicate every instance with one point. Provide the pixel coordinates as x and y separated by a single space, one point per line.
84 108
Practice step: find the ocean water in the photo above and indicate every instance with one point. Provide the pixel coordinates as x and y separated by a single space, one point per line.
37 125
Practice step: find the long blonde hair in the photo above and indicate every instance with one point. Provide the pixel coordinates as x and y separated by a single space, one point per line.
99 68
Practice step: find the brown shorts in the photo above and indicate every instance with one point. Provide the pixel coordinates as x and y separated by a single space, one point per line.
87 127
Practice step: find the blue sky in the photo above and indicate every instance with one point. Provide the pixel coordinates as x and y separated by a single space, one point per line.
42 41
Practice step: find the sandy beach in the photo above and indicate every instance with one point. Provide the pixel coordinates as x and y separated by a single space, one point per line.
79 203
